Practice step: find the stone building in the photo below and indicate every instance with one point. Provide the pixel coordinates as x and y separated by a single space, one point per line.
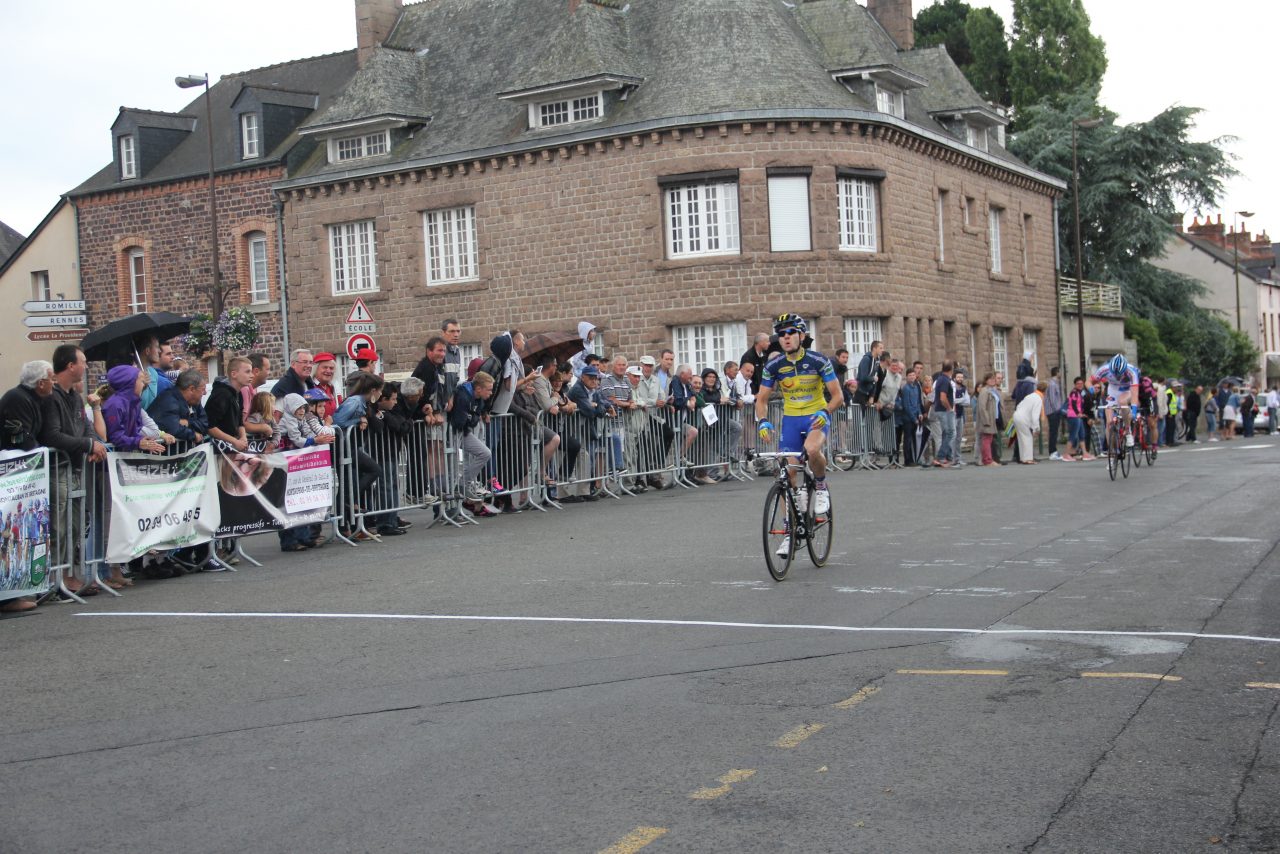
144 219
677 173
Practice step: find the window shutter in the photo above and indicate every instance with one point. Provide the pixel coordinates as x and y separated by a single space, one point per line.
789 213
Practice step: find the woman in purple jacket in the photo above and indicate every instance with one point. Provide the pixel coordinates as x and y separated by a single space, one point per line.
122 412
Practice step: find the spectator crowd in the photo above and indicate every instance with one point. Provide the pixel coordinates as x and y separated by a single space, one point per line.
478 439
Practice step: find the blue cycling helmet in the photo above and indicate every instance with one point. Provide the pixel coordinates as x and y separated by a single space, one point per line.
790 321
1119 365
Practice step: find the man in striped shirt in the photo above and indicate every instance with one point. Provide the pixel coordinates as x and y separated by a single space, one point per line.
615 389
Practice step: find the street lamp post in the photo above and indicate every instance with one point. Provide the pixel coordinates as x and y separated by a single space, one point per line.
215 287
1235 243
1075 197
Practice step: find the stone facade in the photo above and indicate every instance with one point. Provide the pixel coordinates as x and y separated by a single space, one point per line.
170 223
577 232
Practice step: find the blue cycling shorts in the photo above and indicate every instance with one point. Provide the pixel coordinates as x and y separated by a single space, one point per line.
793 431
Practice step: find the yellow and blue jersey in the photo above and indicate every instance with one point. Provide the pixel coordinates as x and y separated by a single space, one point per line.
799 381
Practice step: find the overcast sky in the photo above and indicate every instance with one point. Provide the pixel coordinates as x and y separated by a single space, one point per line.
72 64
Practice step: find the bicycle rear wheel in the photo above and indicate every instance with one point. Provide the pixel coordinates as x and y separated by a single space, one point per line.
1136 450
821 533
778 525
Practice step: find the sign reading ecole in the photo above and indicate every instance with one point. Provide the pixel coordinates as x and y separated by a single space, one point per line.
359 320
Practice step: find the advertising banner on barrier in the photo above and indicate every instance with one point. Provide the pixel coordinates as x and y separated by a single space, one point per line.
161 502
271 492
24 514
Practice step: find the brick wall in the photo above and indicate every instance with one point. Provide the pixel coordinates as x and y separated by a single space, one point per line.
170 223
577 233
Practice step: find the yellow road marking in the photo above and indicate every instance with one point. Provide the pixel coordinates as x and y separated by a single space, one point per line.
861 694
1275 685
635 840
737 775
916 672
1159 677
798 735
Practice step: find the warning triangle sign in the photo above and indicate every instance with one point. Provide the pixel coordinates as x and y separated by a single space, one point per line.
359 313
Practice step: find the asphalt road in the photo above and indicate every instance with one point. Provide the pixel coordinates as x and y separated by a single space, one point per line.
1015 659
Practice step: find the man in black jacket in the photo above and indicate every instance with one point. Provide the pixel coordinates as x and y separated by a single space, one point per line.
177 410
21 415
1191 412
66 430
226 418
869 374
296 380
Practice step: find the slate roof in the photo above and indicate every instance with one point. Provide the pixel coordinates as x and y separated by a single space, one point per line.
699 60
325 75
10 240
1218 253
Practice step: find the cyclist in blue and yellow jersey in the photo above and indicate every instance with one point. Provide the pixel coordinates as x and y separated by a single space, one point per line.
800 376
1122 390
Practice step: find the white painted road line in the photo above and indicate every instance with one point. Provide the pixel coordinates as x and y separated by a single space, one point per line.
710 624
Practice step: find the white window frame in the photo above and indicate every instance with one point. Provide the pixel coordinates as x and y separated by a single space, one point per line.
343 149
41 289
858 203
789 229
259 268
859 332
567 111
994 217
250 136
353 257
701 219
708 345
1031 344
942 225
128 157
450 235
973 356
977 137
890 101
137 281
469 352
1000 354
1026 251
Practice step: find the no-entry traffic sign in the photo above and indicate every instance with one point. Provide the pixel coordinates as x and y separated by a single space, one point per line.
360 341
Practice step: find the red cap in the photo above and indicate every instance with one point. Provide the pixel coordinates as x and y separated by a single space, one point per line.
324 357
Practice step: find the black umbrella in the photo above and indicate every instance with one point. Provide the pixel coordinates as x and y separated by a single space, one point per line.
99 344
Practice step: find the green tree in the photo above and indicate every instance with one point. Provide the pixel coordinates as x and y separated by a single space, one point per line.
944 24
1135 179
989 70
1153 356
1053 52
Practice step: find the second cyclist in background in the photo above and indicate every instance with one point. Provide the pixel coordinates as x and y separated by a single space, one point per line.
1122 391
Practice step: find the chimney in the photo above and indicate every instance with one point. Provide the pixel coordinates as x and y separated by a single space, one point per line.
895 17
375 19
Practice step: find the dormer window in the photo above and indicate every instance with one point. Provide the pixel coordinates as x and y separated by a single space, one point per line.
250 137
128 157
552 113
976 136
890 101
356 147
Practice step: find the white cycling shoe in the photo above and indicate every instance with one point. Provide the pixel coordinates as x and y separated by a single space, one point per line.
821 501
784 548
1128 440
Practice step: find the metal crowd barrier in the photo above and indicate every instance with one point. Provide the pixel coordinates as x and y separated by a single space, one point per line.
539 463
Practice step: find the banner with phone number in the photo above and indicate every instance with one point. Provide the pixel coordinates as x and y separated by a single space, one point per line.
161 502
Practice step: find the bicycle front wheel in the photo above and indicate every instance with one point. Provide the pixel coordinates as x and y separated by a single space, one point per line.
1124 462
778 527
1113 457
821 533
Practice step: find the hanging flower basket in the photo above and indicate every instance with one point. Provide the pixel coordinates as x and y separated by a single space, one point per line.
237 329
199 340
